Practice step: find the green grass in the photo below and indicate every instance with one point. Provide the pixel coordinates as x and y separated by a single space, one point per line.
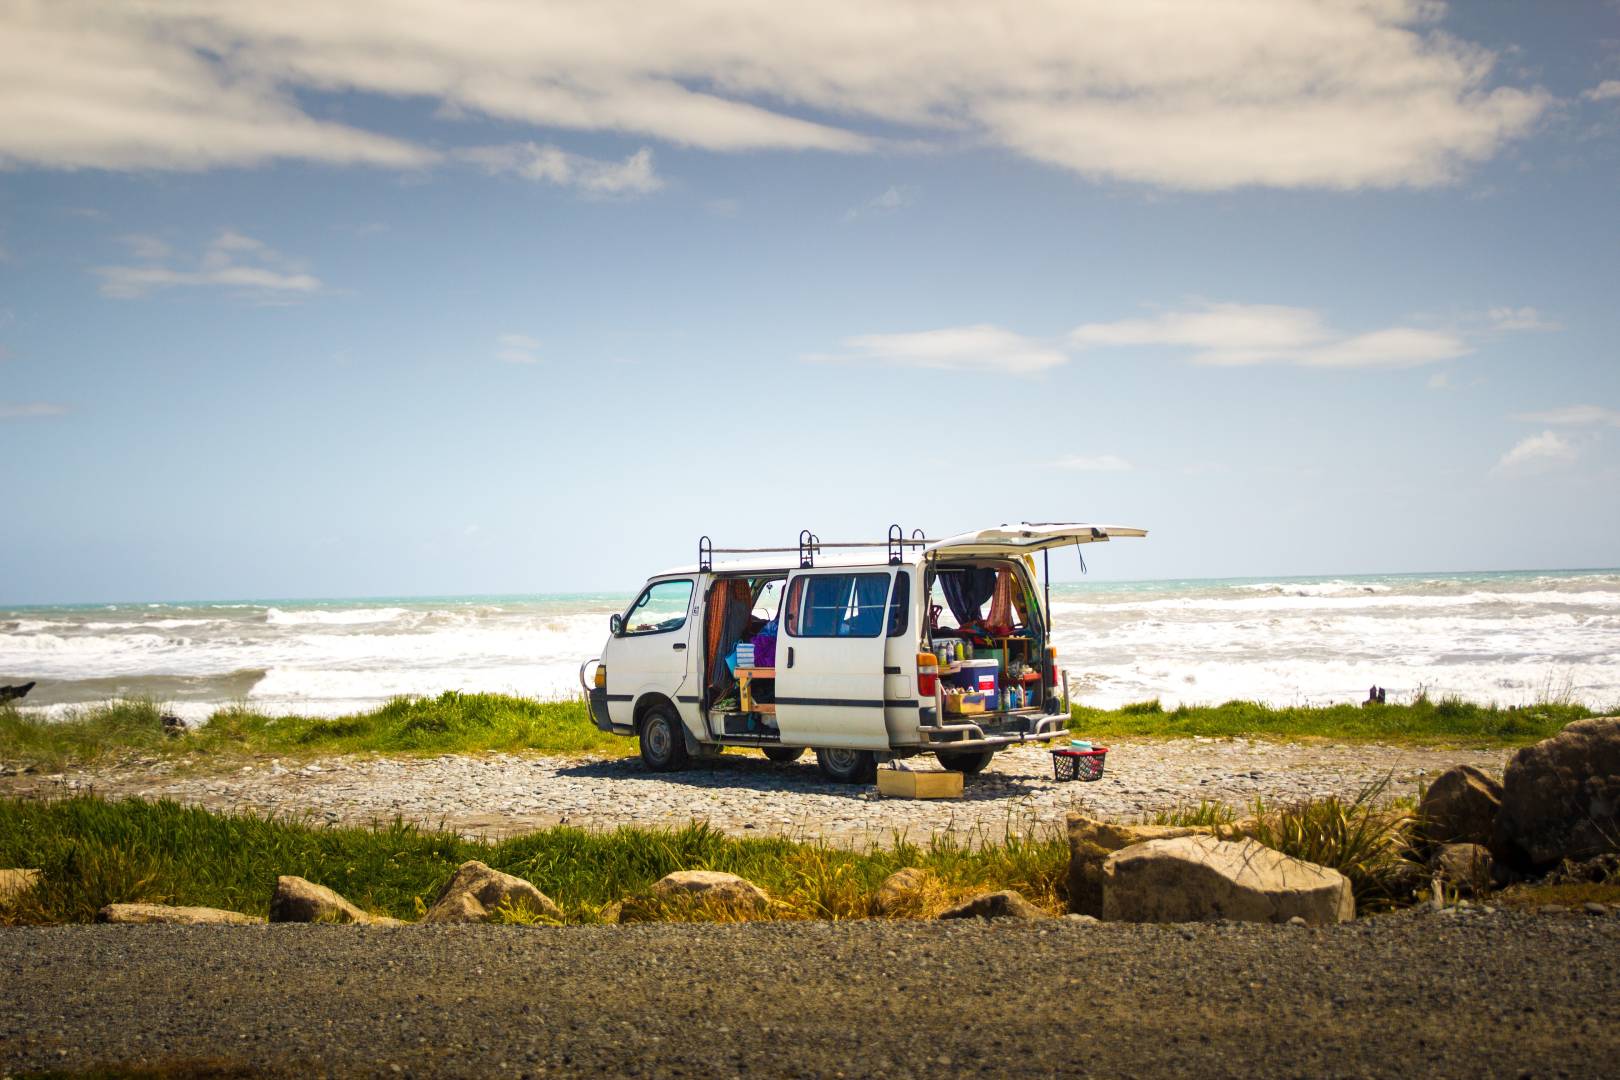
1424 721
94 852
450 723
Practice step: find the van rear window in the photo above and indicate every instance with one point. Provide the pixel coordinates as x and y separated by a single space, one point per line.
837 605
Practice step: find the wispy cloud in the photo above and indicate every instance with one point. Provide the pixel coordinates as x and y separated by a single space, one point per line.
979 348
1226 334
246 267
517 349
553 165
1537 453
1573 416
891 200
1280 93
1607 90
24 410
1099 463
1520 318
1440 380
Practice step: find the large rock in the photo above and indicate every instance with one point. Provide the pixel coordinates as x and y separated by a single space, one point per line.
902 892
1006 904
475 893
1091 842
1468 868
710 887
1192 878
14 883
1460 807
179 916
1561 797
300 901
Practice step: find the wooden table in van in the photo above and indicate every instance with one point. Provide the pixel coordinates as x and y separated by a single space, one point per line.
745 689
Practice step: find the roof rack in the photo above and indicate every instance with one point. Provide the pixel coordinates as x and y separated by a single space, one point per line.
809 544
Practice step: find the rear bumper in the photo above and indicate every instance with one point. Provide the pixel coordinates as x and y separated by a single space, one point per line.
959 733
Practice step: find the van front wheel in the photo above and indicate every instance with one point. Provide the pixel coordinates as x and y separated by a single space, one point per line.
847 766
784 754
663 744
966 762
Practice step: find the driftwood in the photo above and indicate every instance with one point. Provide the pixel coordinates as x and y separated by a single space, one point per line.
12 693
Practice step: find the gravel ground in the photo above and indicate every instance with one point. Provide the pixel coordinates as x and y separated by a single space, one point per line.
498 794
1402 995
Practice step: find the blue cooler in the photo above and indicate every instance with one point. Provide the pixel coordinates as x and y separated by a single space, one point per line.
981 677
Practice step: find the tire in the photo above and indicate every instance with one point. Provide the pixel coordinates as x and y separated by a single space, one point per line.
966 762
784 754
847 766
663 743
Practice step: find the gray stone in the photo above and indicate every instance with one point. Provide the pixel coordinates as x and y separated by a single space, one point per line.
1006 904
1191 878
14 883
1091 842
476 893
901 892
1460 807
1561 797
299 901
1468 868
138 914
710 886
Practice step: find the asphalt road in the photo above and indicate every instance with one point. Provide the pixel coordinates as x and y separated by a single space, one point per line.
1406 995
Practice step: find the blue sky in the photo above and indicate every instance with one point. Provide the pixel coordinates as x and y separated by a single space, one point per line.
401 299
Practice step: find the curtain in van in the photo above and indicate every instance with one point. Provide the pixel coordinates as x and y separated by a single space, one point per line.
966 589
730 603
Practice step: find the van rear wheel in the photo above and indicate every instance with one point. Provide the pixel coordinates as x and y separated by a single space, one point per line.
663 743
966 762
784 754
847 766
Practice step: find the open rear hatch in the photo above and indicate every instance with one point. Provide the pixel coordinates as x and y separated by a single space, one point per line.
1027 537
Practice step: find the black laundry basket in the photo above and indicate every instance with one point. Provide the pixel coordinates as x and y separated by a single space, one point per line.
1071 764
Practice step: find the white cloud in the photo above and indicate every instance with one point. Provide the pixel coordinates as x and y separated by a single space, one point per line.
1521 318
1100 463
980 348
1440 380
247 267
1283 93
1538 452
517 349
1573 416
553 165
22 410
892 199
145 246
1607 90
1242 334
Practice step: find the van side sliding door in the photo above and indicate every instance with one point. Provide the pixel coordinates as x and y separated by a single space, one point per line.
829 658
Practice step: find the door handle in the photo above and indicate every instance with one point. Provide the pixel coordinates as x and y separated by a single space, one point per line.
790 656
679 645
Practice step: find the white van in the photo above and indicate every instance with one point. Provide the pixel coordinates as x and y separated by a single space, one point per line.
940 646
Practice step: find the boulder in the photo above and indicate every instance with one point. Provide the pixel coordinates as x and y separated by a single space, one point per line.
1092 841
299 901
1192 878
179 916
475 893
1468 868
1561 797
1460 808
13 883
901 891
710 887
1006 904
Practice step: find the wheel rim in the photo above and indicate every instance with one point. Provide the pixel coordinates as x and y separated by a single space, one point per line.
658 738
842 761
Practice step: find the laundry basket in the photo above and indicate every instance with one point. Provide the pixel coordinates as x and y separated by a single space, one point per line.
1071 764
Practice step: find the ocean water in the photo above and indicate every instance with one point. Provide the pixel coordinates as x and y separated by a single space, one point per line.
1508 638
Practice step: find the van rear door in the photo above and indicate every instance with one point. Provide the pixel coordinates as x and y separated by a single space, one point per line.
829 658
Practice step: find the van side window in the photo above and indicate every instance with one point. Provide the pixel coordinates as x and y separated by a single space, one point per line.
836 605
660 608
900 604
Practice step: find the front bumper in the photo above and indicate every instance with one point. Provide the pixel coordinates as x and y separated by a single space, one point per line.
597 697
960 733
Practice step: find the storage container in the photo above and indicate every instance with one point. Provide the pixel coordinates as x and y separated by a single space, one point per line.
898 783
981 676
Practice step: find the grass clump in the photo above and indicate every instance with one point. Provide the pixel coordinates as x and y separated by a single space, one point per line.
1446 720
453 722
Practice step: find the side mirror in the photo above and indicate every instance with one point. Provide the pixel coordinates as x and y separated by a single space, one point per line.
616 624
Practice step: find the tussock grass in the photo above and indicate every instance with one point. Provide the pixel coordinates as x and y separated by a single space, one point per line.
94 852
453 722
1426 721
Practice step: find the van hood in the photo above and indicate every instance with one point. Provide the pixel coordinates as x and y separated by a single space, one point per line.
1026 537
